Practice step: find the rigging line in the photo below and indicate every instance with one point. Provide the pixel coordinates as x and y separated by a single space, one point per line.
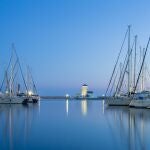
5 74
114 81
7 70
32 80
128 54
135 59
13 70
7 82
120 77
122 71
14 78
147 70
116 61
20 68
141 66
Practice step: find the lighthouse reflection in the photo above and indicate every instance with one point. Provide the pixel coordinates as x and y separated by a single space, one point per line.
128 127
84 107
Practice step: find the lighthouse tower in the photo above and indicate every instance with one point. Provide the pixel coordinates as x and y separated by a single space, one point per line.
84 90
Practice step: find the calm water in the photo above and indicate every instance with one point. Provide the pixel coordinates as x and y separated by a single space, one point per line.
73 125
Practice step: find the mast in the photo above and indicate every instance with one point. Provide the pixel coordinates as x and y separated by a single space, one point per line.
112 75
125 67
142 65
20 68
11 75
135 61
114 85
129 63
143 71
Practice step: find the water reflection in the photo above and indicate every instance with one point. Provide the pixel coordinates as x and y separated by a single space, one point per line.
16 123
84 107
83 103
67 106
129 124
122 127
103 106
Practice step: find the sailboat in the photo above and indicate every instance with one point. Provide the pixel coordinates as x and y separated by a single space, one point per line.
9 95
31 94
118 98
141 99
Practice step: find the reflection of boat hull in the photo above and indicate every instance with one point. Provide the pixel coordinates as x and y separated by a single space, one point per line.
144 103
13 100
118 101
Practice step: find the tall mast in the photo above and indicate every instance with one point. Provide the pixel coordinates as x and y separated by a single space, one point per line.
129 63
145 52
125 67
116 63
143 71
135 61
20 68
11 74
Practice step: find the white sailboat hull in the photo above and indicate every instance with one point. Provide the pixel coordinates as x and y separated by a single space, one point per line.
34 99
12 100
118 101
144 103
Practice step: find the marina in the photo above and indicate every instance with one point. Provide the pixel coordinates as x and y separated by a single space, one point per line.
74 75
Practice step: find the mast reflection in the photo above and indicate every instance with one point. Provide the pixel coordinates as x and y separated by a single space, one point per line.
132 125
16 120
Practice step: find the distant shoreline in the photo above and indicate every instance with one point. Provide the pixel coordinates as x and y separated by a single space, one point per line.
71 98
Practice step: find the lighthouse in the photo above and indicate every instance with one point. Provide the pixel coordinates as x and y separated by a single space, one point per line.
84 90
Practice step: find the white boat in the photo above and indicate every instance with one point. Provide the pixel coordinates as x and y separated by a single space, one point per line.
140 103
142 95
34 98
31 98
6 99
118 101
141 99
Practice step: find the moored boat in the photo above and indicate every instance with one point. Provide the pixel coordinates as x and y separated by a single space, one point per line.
6 99
140 103
118 101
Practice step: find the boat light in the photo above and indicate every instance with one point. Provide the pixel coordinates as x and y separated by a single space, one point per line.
30 93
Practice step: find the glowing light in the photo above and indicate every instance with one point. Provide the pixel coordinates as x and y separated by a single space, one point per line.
7 92
84 90
30 93
67 95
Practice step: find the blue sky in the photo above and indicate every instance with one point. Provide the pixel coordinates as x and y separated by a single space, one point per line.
70 42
